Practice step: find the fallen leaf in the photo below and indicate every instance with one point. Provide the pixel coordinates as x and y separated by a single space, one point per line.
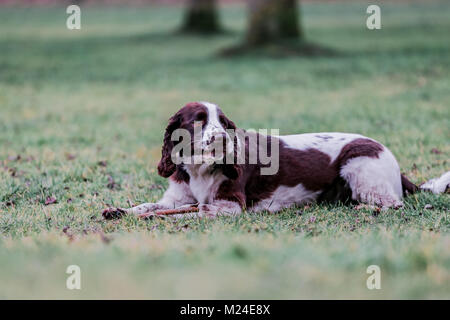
14 158
12 172
102 163
436 151
112 184
50 200
10 203
70 156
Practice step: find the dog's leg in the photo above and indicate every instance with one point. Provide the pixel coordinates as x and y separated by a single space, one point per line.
178 194
375 181
437 185
213 210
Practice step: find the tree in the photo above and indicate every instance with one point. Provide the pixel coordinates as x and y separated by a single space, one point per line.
274 28
273 21
201 17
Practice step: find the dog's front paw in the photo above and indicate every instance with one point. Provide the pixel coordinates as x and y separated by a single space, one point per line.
208 210
113 213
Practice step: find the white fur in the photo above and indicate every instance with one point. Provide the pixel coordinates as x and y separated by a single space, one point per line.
375 180
285 197
332 147
176 195
213 126
202 183
437 185
218 208
372 180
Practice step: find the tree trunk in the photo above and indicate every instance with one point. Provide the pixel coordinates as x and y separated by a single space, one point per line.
201 17
273 20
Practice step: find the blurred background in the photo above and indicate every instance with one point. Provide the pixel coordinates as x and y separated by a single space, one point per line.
82 116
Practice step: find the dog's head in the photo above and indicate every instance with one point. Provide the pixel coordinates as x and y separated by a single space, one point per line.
208 130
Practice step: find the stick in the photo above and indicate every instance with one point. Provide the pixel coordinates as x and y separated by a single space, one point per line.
117 213
168 212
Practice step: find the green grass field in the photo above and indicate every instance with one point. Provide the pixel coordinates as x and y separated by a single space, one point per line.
82 115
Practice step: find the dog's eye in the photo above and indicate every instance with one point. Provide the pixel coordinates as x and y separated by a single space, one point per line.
200 116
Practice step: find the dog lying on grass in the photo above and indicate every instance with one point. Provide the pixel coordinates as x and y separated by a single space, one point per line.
226 170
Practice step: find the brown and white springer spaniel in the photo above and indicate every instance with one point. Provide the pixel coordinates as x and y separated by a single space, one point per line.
313 167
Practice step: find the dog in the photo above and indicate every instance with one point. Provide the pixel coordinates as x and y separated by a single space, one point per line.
312 167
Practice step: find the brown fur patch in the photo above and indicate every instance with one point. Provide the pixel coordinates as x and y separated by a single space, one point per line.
312 168
361 147
184 118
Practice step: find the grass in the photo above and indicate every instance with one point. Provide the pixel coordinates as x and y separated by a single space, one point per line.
81 119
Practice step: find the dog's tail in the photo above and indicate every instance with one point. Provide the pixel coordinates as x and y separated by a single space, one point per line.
408 186
436 185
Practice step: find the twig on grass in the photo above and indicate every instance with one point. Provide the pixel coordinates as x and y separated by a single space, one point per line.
168 212
117 213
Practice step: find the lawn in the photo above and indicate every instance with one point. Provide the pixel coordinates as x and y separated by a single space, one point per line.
82 115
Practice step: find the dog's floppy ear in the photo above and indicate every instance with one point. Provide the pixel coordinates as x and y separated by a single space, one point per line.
228 123
166 167
232 171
